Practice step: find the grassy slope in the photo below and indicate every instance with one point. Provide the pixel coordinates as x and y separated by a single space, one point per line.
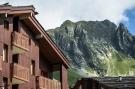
118 65
73 76
121 65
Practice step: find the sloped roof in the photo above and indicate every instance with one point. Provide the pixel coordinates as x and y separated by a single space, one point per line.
116 82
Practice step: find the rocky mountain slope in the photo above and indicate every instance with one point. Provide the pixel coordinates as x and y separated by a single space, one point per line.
97 48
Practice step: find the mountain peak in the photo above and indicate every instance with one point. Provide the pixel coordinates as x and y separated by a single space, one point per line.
122 26
67 22
95 44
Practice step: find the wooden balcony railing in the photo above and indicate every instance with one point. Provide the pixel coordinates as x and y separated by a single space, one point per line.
20 74
20 41
45 83
1 57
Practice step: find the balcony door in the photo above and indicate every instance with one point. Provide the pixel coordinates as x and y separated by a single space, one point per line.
16 86
16 24
5 83
15 58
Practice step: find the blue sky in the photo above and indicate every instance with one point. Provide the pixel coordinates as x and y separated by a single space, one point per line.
131 20
52 13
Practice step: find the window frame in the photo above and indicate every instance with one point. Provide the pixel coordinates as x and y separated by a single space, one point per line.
33 67
5 53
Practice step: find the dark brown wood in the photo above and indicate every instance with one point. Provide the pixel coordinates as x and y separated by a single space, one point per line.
24 48
63 77
105 83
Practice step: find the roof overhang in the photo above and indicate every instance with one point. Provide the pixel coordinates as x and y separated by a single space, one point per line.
10 10
47 39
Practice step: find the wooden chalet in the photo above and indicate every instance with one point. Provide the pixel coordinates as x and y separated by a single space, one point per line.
28 56
106 83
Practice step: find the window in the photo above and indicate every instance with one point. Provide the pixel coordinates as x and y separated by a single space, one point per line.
32 67
6 24
16 24
15 58
15 86
5 83
5 53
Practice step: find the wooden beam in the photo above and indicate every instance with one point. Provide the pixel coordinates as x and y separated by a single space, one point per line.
63 77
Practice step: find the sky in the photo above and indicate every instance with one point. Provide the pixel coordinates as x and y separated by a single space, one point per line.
131 20
52 13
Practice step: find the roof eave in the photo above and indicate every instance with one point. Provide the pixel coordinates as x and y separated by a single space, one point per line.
10 10
49 40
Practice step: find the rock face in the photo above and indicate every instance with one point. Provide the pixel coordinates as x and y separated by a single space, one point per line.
97 47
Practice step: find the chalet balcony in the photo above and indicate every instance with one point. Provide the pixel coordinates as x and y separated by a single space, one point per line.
20 43
20 74
45 83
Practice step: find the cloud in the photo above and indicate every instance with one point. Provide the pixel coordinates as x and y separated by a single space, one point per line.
53 12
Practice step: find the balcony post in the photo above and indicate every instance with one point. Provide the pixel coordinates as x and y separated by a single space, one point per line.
63 77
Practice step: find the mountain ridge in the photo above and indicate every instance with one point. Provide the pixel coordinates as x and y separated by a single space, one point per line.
97 47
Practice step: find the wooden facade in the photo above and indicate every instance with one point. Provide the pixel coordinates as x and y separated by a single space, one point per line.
28 56
106 83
